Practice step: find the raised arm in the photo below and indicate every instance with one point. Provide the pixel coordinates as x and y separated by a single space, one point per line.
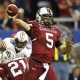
19 23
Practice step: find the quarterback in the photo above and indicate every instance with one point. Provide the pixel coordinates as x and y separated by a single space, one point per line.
45 37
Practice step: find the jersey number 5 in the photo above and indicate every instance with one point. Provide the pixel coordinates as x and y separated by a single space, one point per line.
16 65
49 40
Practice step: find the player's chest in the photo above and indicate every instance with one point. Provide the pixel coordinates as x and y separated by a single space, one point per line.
20 54
47 34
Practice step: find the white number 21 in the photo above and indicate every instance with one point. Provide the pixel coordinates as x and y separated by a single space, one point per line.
16 65
49 40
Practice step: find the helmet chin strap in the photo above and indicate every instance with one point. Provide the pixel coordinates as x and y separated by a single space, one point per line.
48 24
18 49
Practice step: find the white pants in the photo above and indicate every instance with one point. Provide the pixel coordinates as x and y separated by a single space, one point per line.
0 78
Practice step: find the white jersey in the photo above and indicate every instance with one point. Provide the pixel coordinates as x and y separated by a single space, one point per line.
8 43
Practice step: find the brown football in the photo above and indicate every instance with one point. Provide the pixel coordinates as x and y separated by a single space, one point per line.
12 10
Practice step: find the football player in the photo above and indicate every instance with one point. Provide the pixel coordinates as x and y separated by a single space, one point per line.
19 44
14 68
45 37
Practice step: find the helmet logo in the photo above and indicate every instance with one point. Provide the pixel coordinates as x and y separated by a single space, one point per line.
48 10
8 54
38 12
22 35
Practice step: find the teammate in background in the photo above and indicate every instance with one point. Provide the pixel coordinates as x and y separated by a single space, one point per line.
19 44
45 38
13 68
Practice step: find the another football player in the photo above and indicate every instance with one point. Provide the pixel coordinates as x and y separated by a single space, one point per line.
14 68
45 37
19 44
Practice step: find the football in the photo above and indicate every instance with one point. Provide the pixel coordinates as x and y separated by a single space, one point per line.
12 10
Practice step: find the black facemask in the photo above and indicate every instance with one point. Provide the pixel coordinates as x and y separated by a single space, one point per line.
47 20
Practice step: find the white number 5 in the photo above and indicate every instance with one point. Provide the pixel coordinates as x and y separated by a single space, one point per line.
49 40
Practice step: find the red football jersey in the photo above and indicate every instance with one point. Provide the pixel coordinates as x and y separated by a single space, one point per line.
2 73
16 68
43 41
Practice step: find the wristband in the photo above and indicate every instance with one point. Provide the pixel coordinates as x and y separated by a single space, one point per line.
11 19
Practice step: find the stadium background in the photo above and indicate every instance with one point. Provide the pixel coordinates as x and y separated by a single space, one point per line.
29 8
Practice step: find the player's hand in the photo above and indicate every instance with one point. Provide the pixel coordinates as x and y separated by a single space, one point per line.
69 42
12 16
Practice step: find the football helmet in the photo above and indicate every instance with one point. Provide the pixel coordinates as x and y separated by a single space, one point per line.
44 16
7 55
20 40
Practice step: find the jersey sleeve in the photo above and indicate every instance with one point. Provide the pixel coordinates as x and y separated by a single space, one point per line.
27 51
2 71
3 44
33 30
59 35
58 42
7 43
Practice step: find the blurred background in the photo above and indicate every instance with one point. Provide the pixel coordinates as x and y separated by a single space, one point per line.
66 16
